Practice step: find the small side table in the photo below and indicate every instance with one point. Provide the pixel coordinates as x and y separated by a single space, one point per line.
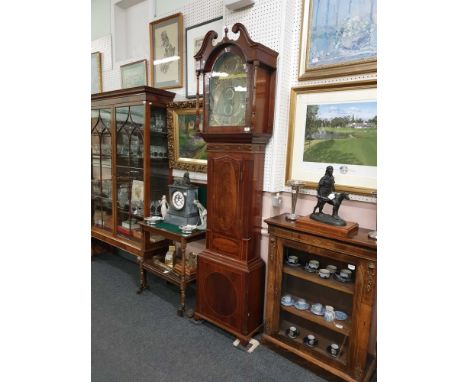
173 233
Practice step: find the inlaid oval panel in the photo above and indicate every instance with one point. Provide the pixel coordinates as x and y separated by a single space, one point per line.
220 294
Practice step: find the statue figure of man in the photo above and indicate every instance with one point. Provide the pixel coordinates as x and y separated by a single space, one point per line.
326 185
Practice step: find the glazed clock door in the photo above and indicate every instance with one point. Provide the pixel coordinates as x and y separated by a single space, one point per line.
227 92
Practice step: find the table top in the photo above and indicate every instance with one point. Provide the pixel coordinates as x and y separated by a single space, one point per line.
172 231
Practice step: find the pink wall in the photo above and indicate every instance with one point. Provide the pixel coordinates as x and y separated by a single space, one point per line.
364 214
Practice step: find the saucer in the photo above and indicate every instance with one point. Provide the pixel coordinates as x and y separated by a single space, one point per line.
153 219
313 309
337 277
302 307
329 351
340 316
306 342
293 265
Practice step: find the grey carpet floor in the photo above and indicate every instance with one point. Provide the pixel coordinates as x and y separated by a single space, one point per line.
140 337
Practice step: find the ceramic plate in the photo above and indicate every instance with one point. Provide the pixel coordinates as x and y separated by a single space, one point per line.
293 265
337 277
340 316
303 307
153 219
314 310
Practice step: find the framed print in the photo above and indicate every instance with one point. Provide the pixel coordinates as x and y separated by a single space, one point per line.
133 74
338 38
193 40
187 149
334 124
96 73
167 52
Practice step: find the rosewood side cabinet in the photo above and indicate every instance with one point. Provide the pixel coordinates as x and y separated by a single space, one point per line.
129 163
354 297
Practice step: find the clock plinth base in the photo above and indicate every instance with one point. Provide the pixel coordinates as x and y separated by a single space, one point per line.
223 298
182 220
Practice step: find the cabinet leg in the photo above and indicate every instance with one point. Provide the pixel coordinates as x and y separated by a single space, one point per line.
143 281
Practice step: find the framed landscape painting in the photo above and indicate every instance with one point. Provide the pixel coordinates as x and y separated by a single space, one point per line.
338 38
194 36
187 149
334 125
133 74
167 52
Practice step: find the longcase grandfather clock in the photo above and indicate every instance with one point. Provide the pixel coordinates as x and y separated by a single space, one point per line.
238 79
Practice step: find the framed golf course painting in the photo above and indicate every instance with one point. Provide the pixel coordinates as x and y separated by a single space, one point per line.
334 124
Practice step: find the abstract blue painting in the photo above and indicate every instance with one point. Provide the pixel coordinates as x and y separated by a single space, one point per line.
341 31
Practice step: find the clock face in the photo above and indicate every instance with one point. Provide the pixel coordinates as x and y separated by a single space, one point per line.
178 200
228 91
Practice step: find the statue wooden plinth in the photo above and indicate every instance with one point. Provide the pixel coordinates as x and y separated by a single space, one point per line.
346 230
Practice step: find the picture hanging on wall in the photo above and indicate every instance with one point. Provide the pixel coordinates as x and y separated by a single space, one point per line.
334 124
133 74
194 36
338 38
167 52
96 73
187 149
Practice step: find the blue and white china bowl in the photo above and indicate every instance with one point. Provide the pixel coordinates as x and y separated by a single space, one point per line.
293 264
309 269
340 316
317 309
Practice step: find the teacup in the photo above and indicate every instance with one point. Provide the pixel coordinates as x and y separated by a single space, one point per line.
293 332
314 264
334 348
324 273
317 308
287 299
345 273
311 340
293 259
332 268
301 302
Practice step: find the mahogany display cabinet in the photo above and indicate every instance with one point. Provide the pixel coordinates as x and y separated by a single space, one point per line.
356 358
129 163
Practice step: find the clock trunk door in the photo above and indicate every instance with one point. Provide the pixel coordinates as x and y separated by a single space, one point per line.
226 195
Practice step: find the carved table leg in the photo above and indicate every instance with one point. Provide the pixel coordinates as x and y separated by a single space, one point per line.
180 311
143 280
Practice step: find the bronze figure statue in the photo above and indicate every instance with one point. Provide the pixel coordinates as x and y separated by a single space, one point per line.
326 195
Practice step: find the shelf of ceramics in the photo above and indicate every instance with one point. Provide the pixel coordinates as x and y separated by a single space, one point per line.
320 348
315 278
171 276
309 316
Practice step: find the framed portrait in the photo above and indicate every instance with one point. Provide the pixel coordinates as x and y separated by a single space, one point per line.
167 52
334 124
194 36
133 74
96 73
187 148
338 38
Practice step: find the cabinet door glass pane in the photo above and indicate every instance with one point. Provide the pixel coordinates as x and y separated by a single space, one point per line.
101 168
227 91
159 169
129 169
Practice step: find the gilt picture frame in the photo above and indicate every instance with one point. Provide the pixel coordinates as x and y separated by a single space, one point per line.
134 74
167 52
334 124
96 73
338 38
187 149
194 36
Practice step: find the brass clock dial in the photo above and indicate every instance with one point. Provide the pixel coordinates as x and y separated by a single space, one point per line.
228 91
178 200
